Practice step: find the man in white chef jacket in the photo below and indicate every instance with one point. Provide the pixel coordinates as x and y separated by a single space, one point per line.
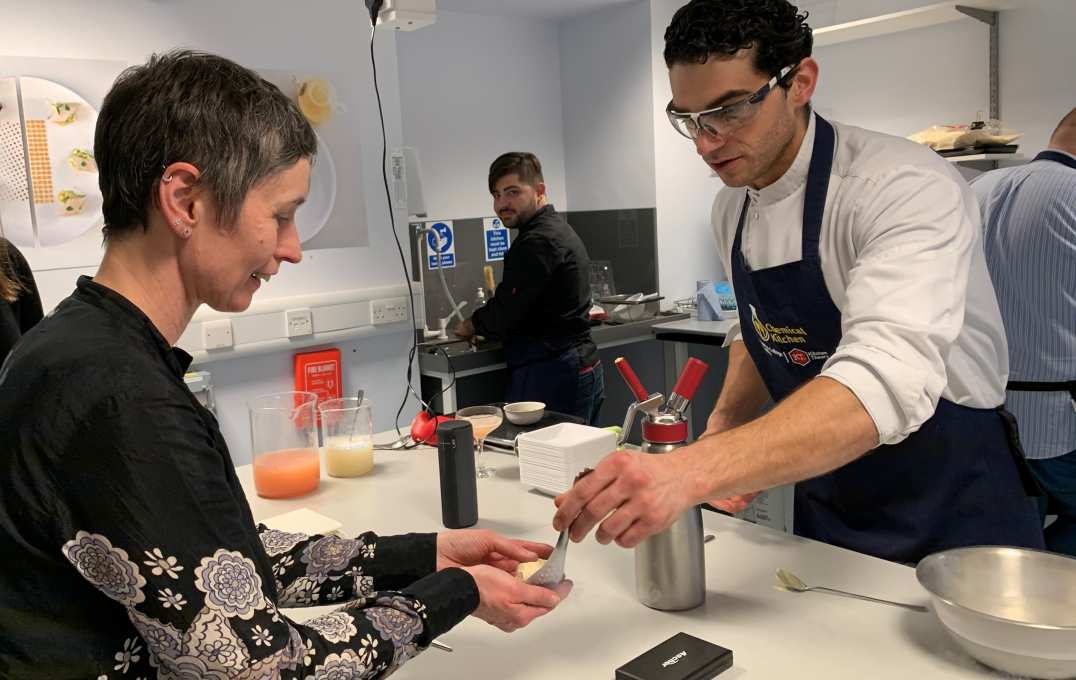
866 313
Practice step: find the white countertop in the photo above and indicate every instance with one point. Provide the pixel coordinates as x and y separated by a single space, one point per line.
773 634
696 327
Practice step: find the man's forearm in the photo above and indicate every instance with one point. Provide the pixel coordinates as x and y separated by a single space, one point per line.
819 428
742 394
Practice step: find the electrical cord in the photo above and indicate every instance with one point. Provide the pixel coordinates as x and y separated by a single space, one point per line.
374 7
406 443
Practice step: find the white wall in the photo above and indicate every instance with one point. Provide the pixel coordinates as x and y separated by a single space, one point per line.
473 87
685 189
904 82
608 122
1038 82
281 34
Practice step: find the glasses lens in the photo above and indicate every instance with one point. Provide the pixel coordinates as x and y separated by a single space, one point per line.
685 126
730 118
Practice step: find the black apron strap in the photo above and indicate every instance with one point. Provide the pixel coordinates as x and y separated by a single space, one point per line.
1012 430
1057 157
1034 386
814 197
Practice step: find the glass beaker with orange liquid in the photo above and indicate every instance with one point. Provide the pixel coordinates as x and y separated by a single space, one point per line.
284 441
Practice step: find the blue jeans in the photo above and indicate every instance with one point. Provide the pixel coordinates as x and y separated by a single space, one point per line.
1057 476
562 383
591 394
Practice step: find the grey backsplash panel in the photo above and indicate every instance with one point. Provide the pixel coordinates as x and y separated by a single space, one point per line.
625 238
463 280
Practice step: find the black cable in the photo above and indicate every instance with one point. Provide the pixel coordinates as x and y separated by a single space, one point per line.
392 221
374 7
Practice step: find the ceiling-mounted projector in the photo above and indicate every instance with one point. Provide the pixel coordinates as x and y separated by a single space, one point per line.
403 15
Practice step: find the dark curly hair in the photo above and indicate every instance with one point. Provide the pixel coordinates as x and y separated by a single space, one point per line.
522 163
704 28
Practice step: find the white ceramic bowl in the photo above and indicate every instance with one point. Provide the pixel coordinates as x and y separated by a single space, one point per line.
524 412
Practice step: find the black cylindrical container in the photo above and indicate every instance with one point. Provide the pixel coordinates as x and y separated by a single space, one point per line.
455 458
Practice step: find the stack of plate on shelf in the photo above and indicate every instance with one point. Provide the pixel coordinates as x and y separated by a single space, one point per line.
550 458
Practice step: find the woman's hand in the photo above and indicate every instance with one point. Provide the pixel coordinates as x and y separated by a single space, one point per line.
510 604
473 547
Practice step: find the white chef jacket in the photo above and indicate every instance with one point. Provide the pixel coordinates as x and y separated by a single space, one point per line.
902 260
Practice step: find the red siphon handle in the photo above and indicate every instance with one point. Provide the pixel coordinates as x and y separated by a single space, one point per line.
631 379
690 378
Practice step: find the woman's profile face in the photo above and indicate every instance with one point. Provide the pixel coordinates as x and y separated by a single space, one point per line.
224 266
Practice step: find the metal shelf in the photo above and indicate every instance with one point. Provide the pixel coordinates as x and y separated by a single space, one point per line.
991 157
920 17
985 11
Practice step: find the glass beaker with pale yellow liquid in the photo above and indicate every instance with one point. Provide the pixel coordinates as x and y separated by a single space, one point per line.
347 436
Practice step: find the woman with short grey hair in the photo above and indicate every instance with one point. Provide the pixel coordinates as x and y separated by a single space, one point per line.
129 547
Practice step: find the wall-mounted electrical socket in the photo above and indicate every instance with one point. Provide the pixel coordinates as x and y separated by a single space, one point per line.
217 334
299 322
395 310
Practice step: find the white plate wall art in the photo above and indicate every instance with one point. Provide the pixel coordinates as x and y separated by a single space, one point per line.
334 215
58 125
53 239
16 222
312 215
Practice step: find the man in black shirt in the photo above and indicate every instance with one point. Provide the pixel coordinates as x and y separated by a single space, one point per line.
541 308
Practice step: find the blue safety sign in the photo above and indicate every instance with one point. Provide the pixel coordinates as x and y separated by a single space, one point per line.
496 238
441 246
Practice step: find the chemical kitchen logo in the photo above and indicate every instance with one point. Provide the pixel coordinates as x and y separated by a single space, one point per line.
781 335
760 328
771 337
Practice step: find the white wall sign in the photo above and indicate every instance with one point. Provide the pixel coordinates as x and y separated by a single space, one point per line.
441 246
496 239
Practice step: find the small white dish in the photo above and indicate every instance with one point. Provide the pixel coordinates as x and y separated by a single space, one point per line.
524 412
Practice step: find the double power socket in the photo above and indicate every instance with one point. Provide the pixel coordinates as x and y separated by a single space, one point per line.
299 322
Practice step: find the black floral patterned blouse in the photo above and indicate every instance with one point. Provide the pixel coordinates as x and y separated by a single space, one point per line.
128 547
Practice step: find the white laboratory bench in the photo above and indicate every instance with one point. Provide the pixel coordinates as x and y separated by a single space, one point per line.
693 330
773 634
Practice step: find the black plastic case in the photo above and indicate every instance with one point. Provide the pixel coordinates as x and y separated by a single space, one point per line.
681 657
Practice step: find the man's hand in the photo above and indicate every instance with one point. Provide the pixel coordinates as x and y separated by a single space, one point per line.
464 330
734 504
510 604
473 547
644 493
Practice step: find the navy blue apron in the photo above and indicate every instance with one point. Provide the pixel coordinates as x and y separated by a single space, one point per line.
952 483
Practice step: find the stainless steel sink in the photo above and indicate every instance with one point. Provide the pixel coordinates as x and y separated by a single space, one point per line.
452 347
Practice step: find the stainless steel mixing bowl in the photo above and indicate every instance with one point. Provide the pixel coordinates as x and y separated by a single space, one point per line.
1011 608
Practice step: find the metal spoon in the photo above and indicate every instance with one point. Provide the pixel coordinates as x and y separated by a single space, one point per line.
437 644
355 421
790 581
552 572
